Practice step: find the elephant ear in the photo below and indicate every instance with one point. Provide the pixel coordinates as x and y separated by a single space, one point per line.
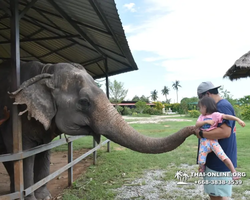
35 93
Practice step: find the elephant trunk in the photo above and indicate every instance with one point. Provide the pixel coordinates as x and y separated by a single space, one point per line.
111 124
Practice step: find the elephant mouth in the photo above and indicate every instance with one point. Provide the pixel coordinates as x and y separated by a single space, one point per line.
84 130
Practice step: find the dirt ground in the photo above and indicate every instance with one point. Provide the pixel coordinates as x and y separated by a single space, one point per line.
58 160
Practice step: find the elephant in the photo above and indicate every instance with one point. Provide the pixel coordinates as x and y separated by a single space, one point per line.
63 98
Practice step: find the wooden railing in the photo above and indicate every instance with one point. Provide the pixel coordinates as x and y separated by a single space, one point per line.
41 148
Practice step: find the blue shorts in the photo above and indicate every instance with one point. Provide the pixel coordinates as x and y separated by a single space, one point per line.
221 190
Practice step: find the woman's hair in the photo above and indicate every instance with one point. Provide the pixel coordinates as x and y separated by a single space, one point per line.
209 103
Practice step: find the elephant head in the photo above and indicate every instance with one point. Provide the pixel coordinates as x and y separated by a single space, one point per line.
67 95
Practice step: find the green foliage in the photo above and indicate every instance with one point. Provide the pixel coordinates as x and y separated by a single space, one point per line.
126 111
175 107
165 92
245 114
121 165
117 92
245 100
136 98
237 110
141 106
158 105
188 104
167 106
225 94
194 113
152 111
119 109
176 86
154 95
142 98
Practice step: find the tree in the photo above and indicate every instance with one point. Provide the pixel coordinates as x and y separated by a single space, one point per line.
176 86
117 92
245 100
165 92
154 95
141 106
225 94
136 98
145 99
188 104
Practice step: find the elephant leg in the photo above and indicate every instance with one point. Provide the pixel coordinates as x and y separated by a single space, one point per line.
28 175
8 165
41 170
10 169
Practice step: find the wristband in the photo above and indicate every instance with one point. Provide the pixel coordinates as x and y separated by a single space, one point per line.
201 133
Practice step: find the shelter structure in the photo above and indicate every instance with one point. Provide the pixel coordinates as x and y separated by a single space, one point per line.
240 69
88 32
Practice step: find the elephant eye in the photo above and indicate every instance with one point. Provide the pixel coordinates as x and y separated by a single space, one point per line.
83 104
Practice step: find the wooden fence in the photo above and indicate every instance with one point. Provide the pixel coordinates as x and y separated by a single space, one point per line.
41 148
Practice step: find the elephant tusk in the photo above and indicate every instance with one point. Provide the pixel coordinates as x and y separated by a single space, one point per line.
21 113
66 138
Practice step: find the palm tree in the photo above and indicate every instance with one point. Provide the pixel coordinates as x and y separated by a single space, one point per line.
165 92
176 86
154 96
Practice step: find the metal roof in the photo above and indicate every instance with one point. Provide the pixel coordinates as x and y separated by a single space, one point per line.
240 69
88 32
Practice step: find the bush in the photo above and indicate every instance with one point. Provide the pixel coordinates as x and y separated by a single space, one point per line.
175 107
119 108
158 105
245 112
238 110
141 106
152 111
194 113
127 111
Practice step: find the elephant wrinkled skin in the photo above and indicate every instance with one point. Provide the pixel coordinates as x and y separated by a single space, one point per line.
63 98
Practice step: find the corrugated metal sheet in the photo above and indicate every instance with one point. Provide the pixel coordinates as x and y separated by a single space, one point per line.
83 31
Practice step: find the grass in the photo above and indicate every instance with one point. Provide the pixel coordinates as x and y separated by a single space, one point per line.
122 165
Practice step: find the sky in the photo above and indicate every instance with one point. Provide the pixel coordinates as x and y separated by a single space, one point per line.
189 41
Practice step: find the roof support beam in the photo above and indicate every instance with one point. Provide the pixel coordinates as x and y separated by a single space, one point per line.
15 77
104 20
26 9
75 26
44 38
22 49
55 51
78 22
92 61
40 24
126 64
107 76
5 8
36 32
101 68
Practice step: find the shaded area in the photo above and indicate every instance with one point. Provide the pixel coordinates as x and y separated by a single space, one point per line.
88 32
58 160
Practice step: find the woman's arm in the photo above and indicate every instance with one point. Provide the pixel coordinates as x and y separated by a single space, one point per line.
231 117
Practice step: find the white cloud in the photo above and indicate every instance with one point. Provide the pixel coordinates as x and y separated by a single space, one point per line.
130 7
205 37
